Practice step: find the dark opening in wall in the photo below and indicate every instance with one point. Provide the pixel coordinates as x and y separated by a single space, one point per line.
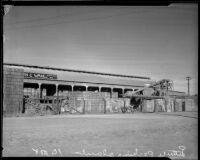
127 89
183 106
31 85
135 102
31 89
64 88
119 90
48 89
79 88
92 88
106 89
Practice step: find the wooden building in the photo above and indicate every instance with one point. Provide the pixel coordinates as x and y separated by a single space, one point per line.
38 81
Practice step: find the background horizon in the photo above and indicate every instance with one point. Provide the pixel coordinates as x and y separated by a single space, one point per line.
156 42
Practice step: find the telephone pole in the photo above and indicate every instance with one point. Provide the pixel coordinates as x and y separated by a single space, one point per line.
188 79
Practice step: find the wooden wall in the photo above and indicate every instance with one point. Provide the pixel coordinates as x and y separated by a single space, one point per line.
13 80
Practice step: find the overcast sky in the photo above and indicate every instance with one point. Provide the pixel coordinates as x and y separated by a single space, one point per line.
157 42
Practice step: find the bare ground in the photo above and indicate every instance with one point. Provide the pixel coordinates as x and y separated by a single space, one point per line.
111 134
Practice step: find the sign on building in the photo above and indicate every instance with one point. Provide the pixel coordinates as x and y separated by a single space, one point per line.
39 75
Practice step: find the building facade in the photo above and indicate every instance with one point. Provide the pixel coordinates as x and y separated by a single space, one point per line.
38 82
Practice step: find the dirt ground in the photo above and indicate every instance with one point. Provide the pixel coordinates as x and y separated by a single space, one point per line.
138 134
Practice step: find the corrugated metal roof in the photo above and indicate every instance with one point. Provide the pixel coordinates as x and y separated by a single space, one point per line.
79 71
172 92
76 76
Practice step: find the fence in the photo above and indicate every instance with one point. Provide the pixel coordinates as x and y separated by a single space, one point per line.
88 103
170 105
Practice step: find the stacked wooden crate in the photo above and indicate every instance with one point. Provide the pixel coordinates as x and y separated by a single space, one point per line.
87 102
148 106
127 102
75 103
169 104
179 105
94 106
105 95
94 102
64 93
44 92
159 105
31 92
191 104
114 95
114 105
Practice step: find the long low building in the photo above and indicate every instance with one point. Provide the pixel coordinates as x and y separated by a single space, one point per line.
50 81
40 81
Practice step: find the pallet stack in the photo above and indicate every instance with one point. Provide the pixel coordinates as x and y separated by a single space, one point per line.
62 93
114 95
114 105
97 102
148 106
159 105
127 102
44 92
94 106
169 104
94 102
75 105
31 92
88 102
191 104
179 105
105 95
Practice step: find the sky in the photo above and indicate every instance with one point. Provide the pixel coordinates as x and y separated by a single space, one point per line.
152 41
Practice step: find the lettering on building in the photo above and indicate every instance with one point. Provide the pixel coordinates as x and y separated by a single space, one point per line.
39 75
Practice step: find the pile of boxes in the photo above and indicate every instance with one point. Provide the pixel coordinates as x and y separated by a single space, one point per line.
191 104
170 105
96 102
31 92
148 106
114 105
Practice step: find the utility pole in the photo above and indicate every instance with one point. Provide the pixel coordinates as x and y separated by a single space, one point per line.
188 79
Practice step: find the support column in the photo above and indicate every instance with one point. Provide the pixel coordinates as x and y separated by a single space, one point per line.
72 87
112 90
57 100
39 89
111 93
123 90
56 90
86 87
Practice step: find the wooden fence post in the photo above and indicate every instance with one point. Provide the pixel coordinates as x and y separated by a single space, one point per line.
104 105
83 106
174 104
58 105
